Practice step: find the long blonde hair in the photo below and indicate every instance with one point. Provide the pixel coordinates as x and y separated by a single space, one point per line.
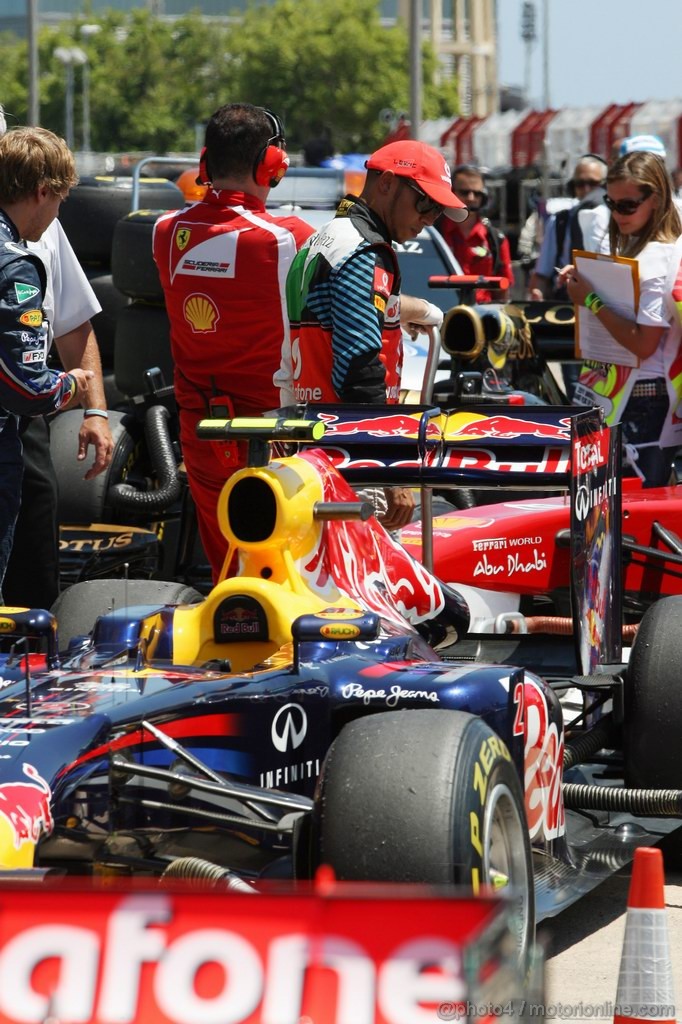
648 172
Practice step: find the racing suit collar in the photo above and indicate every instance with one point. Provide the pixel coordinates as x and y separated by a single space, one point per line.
356 208
8 227
232 197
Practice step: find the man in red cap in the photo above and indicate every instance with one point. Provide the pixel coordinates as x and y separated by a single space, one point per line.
343 291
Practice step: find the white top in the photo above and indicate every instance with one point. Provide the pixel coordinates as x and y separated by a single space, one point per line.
654 263
69 299
594 225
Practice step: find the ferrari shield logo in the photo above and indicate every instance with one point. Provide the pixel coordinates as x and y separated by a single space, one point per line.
182 238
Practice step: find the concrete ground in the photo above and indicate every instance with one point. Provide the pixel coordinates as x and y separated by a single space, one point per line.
585 943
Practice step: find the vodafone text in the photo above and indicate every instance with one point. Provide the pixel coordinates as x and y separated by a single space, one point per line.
135 967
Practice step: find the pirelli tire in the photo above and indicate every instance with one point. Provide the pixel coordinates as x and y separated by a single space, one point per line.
142 341
77 607
133 269
653 700
427 796
94 207
85 501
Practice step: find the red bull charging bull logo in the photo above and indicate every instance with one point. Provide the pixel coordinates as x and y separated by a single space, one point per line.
25 807
396 425
471 427
360 562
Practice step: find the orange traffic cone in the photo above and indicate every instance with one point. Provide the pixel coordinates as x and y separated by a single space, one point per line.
645 981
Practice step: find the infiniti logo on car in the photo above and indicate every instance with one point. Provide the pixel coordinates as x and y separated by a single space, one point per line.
289 727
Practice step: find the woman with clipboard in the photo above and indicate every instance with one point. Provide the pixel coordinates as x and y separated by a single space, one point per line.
645 398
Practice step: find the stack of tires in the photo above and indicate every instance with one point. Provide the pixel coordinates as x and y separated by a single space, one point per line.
132 329
142 336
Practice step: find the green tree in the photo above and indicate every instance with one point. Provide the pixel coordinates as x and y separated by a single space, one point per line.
324 67
322 64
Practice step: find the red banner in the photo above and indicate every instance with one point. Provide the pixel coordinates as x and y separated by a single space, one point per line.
362 954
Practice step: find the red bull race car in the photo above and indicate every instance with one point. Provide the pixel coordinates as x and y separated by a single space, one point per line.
330 705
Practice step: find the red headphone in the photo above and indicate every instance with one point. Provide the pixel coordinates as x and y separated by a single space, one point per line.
272 162
270 165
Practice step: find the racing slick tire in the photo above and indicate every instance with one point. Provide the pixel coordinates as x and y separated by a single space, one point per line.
653 691
85 501
424 796
133 269
77 607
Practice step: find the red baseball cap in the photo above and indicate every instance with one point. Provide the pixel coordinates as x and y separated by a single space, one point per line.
424 165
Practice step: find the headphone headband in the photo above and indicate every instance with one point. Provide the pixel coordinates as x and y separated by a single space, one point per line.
277 128
272 162
592 158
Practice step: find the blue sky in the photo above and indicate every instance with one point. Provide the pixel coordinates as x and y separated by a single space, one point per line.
600 51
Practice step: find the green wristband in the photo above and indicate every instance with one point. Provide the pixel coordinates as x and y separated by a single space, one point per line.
96 412
593 302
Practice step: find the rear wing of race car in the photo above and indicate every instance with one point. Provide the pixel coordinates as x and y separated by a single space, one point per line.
502 447
484 445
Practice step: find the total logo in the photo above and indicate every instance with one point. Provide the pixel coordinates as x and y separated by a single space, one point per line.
289 728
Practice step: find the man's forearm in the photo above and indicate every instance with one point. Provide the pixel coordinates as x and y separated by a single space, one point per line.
540 283
79 348
412 308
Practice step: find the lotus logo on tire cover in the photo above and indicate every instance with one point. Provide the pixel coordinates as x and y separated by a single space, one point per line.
289 727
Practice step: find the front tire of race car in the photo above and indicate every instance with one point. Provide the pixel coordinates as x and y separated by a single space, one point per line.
424 796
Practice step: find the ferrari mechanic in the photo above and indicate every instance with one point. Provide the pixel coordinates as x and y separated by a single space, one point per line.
223 263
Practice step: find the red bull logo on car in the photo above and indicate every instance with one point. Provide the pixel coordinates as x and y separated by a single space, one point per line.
397 425
25 814
474 427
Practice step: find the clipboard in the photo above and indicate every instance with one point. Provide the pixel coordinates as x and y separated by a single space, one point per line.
615 279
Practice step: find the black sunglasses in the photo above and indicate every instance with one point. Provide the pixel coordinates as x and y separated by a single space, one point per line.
625 206
424 204
463 192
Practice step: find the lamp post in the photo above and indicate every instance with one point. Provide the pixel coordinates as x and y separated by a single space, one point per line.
415 66
33 68
69 56
529 36
87 31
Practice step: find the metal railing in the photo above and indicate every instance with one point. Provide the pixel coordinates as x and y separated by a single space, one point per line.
189 161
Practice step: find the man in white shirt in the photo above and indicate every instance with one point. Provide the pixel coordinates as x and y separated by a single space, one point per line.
562 232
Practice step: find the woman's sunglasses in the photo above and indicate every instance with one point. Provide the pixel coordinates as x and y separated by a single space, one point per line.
625 206
424 204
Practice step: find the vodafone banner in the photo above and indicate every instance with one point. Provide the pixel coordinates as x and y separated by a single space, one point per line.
360 954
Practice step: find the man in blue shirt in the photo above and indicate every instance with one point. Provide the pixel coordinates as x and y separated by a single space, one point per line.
37 170
562 230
